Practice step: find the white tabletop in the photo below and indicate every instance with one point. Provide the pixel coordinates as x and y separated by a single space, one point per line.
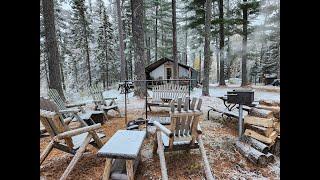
123 144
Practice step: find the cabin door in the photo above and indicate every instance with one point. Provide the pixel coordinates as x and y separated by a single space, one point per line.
169 73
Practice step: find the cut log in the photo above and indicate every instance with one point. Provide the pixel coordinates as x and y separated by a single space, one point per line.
274 109
277 127
265 122
260 113
262 138
275 148
261 130
269 103
251 153
256 144
270 157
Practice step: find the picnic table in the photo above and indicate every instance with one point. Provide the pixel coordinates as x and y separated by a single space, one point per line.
124 147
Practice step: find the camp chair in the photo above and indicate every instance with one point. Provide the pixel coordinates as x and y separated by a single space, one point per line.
85 115
70 141
100 101
184 134
54 95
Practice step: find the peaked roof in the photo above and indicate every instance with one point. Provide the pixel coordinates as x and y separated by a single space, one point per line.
159 62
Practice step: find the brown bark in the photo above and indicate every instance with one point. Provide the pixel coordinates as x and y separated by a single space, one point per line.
122 57
244 46
52 47
174 40
138 39
207 59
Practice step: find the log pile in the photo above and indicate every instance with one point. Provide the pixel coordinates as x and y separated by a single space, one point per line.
261 139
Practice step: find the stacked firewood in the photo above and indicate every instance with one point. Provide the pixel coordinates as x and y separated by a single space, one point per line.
261 139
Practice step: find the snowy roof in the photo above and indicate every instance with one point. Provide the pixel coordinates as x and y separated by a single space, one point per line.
161 61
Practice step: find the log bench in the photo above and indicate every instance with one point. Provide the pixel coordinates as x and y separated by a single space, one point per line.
122 154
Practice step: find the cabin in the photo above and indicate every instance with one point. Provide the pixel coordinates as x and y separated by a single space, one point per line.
163 69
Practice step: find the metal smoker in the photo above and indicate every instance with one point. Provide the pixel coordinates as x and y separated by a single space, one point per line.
241 97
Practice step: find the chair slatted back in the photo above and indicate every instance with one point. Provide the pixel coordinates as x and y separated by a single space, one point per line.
96 93
169 90
184 121
47 104
54 125
54 95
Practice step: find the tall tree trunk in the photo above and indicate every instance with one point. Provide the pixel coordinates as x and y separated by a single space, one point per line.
122 57
86 35
186 46
156 34
228 42
207 57
200 70
52 47
138 43
174 41
218 59
221 46
244 45
148 39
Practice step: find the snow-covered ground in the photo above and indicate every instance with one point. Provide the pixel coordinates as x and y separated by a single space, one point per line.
215 91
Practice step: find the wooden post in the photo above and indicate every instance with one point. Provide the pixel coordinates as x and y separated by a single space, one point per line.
107 168
46 152
76 157
161 157
129 168
207 169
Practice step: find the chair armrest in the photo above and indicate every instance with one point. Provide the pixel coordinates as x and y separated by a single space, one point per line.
78 131
163 128
75 105
73 110
199 131
110 98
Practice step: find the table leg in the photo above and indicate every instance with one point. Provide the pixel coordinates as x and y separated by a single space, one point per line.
107 168
129 168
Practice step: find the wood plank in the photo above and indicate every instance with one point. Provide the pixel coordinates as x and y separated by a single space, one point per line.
260 113
261 130
265 122
267 140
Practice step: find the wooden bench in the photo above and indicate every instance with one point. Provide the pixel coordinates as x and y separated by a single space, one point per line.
122 154
163 94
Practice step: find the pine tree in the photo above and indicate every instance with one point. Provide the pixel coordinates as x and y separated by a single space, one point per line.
207 56
81 35
138 42
51 46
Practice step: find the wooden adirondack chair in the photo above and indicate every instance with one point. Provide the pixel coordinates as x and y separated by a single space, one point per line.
71 141
100 101
85 115
54 95
184 134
